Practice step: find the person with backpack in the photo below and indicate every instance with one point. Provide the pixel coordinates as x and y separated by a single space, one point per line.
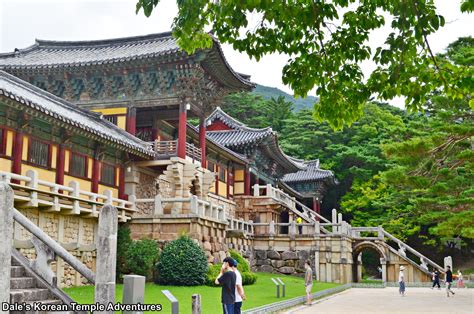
435 277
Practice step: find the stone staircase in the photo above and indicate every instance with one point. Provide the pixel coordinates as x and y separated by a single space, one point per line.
26 288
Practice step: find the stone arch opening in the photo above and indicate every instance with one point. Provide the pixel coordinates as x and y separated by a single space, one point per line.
369 249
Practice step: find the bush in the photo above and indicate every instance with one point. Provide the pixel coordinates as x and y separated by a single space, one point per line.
142 256
212 274
123 243
248 278
182 263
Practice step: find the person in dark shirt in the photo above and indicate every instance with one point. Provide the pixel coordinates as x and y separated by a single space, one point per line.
227 279
449 281
436 279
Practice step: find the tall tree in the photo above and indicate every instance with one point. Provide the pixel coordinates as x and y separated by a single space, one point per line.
326 42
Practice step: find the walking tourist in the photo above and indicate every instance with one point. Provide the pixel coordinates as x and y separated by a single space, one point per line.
227 279
239 289
435 277
401 281
449 281
460 283
299 221
308 281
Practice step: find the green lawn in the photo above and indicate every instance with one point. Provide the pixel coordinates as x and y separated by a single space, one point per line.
262 292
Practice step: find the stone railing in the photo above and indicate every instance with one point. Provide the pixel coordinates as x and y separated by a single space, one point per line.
197 207
288 201
241 225
61 198
47 250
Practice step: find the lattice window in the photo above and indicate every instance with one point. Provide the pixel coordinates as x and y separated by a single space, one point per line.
111 118
210 166
38 153
97 86
78 165
78 87
222 174
107 174
58 88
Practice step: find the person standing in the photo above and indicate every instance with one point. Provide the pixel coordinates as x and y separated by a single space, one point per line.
449 281
308 281
401 281
460 280
299 221
239 289
227 279
436 279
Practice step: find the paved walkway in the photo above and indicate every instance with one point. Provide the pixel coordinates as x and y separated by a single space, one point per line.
373 300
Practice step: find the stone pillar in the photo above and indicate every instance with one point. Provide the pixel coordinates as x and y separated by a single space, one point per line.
133 291
182 131
202 141
384 271
6 234
316 265
106 256
196 304
448 261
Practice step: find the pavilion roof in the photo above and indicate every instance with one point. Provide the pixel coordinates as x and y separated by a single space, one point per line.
311 172
239 135
77 118
49 54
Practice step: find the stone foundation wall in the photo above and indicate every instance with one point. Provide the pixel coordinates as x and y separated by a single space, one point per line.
76 234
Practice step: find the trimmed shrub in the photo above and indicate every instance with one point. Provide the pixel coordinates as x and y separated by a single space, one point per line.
182 263
123 243
248 278
212 274
142 256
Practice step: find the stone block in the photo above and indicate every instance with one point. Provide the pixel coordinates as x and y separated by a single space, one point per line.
287 255
265 268
290 263
247 253
222 256
207 246
286 270
303 255
278 263
271 254
260 254
261 262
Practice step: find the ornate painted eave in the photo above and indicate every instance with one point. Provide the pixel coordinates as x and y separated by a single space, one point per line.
39 100
47 55
311 172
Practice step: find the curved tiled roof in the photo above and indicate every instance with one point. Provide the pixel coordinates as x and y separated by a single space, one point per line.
311 172
48 54
238 137
40 100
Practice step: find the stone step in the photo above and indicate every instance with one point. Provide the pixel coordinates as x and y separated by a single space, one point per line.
22 283
26 295
15 263
17 271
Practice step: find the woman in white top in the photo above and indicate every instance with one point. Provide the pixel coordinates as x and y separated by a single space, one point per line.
460 283
401 281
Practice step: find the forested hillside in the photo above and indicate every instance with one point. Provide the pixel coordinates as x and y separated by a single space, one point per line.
299 103
410 173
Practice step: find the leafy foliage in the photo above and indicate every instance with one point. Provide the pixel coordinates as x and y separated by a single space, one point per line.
182 263
326 43
123 243
212 274
248 278
142 256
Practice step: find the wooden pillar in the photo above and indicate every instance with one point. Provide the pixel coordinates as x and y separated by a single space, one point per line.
229 179
182 131
202 141
217 178
316 206
95 175
247 182
131 126
121 188
60 164
17 152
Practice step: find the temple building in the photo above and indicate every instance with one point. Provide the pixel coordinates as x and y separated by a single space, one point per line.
89 123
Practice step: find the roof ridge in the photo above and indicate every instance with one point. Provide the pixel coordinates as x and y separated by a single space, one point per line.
239 125
43 43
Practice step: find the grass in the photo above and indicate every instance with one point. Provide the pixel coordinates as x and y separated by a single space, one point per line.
261 293
371 281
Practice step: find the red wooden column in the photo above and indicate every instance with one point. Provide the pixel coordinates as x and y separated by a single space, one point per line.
202 141
17 152
230 179
131 126
95 175
60 164
182 131
247 182
217 178
121 187
316 206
